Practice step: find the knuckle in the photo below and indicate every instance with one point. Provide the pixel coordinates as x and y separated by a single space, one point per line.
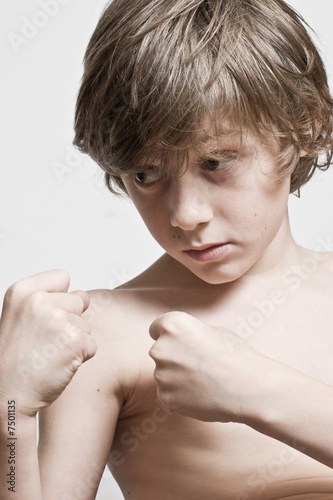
158 378
15 293
72 332
164 397
76 362
89 349
159 354
63 274
173 321
57 315
54 320
153 352
75 337
37 301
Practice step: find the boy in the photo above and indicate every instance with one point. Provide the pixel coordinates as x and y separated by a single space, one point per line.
208 114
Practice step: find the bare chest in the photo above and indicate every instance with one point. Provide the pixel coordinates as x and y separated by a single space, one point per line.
294 327
161 455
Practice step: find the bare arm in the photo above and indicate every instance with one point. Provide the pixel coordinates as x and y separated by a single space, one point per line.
18 460
44 342
76 433
295 409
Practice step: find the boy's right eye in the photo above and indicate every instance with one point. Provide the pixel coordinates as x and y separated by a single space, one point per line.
148 176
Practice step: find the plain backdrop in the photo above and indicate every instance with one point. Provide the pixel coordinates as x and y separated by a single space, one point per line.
54 209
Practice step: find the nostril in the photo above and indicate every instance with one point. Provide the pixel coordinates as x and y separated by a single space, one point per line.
188 202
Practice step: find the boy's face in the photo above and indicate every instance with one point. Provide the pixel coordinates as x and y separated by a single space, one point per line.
219 219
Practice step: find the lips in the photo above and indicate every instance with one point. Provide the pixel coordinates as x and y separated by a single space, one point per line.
207 253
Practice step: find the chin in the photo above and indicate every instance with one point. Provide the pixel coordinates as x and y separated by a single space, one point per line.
219 276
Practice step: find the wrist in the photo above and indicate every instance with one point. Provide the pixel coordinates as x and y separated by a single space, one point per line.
13 422
279 388
266 385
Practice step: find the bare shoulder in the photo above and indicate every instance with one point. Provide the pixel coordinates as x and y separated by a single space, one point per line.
315 269
123 312
329 264
322 264
122 339
313 261
119 320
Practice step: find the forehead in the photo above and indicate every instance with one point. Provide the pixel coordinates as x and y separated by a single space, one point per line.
204 144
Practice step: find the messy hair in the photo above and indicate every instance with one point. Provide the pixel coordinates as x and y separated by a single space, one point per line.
156 72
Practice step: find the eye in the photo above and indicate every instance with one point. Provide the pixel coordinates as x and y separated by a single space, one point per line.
149 176
212 165
140 177
223 161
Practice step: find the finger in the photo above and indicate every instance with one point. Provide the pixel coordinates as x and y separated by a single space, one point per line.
152 353
74 326
90 348
79 336
84 297
170 322
56 280
69 302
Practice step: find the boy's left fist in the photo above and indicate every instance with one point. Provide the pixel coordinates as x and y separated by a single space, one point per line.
201 371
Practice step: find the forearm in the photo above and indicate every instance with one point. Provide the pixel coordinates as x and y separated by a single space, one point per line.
296 409
18 457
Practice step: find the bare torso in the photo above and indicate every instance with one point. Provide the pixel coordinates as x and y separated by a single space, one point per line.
160 455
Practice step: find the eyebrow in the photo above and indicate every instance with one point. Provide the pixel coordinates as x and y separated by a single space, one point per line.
210 143
223 135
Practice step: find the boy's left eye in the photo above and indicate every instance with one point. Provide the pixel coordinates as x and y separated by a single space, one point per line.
215 165
221 163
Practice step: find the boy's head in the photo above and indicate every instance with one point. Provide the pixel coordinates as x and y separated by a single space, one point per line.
161 76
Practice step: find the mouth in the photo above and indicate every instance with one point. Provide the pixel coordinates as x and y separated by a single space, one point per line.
207 253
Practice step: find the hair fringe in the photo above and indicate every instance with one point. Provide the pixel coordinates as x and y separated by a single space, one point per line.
157 75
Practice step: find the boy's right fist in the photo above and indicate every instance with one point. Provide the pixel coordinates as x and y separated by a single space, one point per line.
43 340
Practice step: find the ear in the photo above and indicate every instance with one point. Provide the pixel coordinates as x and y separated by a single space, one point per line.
303 153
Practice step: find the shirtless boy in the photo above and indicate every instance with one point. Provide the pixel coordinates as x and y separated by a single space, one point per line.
207 113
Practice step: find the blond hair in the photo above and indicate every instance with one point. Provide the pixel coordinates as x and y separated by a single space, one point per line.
155 71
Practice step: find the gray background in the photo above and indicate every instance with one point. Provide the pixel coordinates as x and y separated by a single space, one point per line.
54 209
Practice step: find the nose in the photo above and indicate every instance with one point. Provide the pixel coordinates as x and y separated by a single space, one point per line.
190 204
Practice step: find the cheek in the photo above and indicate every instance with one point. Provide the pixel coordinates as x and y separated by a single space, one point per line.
273 212
259 208
153 215
145 206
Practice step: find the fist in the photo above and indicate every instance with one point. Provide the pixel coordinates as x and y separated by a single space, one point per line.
43 340
202 371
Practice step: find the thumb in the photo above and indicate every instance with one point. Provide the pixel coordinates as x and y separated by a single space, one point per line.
85 298
154 329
